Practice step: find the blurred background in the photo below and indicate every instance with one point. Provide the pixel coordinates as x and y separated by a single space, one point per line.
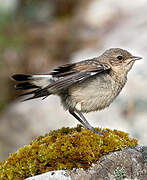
36 36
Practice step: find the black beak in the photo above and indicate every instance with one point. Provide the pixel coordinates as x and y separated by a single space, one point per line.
134 58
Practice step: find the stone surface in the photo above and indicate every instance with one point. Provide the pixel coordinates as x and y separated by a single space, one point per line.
53 175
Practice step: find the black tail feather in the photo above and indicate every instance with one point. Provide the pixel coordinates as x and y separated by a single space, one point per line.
37 94
21 77
25 85
29 84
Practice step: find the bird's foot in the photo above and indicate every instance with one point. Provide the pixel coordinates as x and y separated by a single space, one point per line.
100 132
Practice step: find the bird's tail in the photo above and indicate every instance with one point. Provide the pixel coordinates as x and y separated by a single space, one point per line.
35 83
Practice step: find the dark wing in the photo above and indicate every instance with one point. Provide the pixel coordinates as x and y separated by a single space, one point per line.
63 70
87 65
73 73
67 75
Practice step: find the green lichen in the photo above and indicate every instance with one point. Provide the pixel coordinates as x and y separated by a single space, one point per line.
119 173
66 148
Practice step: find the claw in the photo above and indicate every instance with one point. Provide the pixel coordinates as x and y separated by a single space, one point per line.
100 132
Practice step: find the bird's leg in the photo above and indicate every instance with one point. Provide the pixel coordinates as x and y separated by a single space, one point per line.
77 117
87 125
83 120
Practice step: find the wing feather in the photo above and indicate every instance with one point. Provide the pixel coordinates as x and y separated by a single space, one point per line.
78 76
63 77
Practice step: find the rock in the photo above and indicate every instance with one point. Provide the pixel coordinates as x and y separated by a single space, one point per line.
53 175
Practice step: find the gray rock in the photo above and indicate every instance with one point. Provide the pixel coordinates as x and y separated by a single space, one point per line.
52 175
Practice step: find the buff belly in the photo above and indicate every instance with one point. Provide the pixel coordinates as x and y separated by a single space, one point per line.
95 94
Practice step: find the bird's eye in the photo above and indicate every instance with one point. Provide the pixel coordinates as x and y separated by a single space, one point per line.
119 57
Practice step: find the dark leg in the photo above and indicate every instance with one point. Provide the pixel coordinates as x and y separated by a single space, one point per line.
83 121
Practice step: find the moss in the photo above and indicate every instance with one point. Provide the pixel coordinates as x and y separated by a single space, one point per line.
66 148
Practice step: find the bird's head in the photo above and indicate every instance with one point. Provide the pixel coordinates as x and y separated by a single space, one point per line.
119 59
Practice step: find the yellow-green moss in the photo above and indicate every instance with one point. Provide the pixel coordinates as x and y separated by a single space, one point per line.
66 148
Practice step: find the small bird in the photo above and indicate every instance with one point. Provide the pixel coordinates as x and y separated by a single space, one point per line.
85 86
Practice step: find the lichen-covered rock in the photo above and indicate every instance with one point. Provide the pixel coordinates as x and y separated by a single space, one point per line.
66 148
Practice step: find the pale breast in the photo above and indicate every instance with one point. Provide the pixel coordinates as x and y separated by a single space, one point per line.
94 94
